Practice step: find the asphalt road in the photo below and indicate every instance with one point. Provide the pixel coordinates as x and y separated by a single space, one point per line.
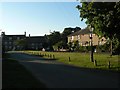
59 75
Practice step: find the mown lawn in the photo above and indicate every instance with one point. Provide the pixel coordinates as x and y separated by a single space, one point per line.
83 59
14 75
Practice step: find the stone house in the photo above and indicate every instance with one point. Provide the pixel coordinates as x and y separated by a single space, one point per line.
35 42
31 42
83 38
8 41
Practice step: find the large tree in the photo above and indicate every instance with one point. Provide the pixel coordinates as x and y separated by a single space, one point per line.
66 32
53 38
104 17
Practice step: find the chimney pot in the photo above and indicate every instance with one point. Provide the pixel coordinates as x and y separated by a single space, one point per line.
29 35
25 33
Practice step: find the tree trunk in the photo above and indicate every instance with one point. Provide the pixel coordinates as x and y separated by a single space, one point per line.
111 50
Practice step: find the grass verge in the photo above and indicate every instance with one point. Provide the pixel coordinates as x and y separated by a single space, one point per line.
83 59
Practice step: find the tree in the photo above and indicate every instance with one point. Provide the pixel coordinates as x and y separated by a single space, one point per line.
76 45
58 39
104 17
66 32
21 43
70 46
59 45
53 38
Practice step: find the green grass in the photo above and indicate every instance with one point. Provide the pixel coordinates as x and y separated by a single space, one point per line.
83 59
14 75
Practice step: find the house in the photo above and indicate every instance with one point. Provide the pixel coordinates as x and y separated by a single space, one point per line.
31 42
84 38
35 42
8 41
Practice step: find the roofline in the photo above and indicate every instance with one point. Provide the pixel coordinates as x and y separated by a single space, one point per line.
78 32
34 36
15 35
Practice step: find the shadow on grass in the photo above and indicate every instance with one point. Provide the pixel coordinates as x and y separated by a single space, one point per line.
51 58
47 57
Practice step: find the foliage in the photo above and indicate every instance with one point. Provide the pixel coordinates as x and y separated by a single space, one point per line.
75 45
66 32
59 40
53 38
60 45
104 17
70 46
116 45
21 43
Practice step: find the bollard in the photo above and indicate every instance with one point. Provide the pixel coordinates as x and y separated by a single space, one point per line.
109 64
53 56
95 62
50 55
69 59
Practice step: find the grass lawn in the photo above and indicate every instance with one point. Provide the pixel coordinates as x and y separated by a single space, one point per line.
14 75
83 59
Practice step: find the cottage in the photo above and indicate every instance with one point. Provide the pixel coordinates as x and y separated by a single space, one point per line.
83 38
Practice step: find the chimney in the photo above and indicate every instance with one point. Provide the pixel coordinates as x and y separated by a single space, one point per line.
2 34
29 35
25 33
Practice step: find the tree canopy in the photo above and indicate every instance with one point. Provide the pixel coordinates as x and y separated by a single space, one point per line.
60 40
104 17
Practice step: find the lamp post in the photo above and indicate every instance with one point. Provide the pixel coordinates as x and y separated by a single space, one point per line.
91 43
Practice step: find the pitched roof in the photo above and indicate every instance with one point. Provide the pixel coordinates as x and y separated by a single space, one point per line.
36 39
83 31
14 35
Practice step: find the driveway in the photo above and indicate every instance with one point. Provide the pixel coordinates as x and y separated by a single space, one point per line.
58 75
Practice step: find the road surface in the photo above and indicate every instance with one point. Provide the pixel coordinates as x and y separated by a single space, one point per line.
59 75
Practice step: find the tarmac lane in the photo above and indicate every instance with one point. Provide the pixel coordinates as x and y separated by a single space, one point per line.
58 75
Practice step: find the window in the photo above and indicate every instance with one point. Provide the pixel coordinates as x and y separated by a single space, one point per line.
10 47
78 37
32 44
6 47
10 38
10 43
72 37
6 42
100 43
40 44
18 38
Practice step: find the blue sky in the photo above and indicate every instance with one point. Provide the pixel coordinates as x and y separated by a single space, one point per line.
39 18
